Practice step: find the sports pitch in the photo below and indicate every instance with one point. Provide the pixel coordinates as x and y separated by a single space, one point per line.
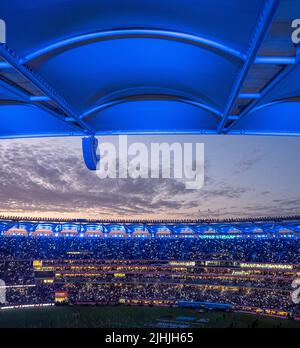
133 317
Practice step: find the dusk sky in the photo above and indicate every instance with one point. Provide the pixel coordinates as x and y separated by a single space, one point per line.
244 176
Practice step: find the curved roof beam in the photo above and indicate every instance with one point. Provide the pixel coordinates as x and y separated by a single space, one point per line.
268 89
264 133
5 102
26 99
152 97
275 102
153 90
9 56
206 43
263 25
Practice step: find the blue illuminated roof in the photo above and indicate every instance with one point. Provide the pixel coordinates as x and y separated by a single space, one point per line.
160 66
280 227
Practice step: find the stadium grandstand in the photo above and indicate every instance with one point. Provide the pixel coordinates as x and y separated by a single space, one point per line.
241 266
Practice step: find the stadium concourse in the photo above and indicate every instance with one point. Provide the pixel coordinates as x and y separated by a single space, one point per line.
246 266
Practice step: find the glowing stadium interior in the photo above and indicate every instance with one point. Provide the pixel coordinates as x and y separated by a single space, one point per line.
149 67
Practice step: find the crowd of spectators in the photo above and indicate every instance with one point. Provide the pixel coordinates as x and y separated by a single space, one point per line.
213 284
276 250
114 293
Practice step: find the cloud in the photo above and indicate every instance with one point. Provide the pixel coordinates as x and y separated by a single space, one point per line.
48 177
249 161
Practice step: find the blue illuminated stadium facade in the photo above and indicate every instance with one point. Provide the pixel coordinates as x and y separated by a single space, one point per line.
281 227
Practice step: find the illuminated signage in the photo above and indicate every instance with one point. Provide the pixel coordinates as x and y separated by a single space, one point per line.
212 263
48 281
61 297
241 273
265 266
37 264
178 263
28 306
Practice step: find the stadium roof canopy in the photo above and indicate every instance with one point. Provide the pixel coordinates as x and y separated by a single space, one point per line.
149 67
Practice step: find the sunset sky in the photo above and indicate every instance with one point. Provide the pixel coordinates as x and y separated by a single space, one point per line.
244 176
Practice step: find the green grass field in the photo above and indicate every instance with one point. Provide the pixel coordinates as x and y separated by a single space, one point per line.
130 317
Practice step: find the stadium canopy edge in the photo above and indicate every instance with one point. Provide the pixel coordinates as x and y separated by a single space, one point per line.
202 68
